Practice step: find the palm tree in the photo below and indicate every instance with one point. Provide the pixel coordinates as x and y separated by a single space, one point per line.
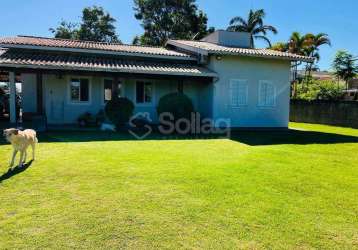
298 44
253 25
313 43
305 45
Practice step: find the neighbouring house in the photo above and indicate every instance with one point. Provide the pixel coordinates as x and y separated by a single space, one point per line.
353 84
351 94
222 75
318 75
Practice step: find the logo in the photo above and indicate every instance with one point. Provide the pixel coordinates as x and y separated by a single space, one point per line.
139 125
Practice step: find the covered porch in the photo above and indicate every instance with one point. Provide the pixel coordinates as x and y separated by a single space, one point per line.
59 97
62 79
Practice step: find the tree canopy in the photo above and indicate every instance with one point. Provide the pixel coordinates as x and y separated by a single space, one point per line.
254 24
344 65
96 25
305 45
169 19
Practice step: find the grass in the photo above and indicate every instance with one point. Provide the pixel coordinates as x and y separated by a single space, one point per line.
278 190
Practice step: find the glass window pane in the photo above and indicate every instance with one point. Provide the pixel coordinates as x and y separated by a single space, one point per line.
107 90
148 92
84 90
119 93
140 92
75 89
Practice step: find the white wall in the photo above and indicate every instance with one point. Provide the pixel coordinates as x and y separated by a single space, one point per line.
253 70
29 94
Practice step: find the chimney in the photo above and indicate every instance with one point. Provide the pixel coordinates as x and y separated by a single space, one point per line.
229 38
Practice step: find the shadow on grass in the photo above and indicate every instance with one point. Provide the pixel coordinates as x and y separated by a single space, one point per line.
15 171
290 136
253 138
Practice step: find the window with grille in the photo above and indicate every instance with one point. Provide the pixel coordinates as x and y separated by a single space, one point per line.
267 94
238 92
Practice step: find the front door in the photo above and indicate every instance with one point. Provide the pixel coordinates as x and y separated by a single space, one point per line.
55 103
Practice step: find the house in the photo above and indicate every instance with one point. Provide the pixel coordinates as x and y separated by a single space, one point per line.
222 74
353 84
318 75
351 94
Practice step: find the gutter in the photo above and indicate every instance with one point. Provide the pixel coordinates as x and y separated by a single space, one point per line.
134 71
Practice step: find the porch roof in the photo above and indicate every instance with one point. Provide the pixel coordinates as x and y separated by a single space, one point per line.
35 59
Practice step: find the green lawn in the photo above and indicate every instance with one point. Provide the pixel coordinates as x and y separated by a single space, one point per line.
280 190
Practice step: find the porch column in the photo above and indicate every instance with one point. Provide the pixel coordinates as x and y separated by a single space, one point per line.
39 93
12 87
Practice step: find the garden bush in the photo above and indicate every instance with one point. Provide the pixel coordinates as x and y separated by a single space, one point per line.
177 104
319 90
119 110
86 119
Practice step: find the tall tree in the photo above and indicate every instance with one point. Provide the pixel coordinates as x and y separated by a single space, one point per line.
313 43
298 44
169 19
66 30
344 66
254 24
305 45
96 25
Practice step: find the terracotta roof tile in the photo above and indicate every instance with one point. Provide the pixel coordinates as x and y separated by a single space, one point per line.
86 62
87 45
212 48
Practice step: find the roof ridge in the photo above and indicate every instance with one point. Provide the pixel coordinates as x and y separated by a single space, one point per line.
234 47
87 41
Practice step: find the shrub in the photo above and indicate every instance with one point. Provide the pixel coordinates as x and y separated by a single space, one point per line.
119 110
86 119
100 117
319 90
177 104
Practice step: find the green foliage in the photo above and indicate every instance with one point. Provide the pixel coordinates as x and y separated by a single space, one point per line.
280 46
344 65
305 45
86 119
96 25
319 90
169 19
100 117
177 104
66 30
119 110
253 25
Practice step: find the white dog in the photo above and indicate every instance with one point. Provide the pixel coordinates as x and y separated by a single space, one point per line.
21 140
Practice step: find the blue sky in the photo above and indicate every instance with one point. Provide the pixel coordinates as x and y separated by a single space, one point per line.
336 18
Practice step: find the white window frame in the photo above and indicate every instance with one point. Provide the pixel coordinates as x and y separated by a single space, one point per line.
260 102
144 104
69 100
231 89
102 87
